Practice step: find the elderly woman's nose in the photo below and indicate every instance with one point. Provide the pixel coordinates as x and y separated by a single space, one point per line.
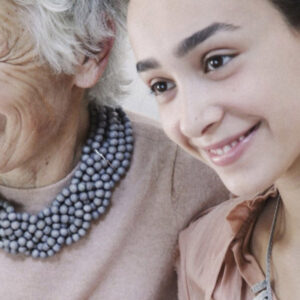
198 115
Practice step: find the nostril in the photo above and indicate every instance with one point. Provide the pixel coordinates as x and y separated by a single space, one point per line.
206 128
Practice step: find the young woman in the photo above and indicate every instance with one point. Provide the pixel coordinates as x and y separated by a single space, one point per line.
226 76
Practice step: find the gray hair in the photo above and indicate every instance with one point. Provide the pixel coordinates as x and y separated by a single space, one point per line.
63 29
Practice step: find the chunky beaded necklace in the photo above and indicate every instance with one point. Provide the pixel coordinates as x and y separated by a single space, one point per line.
105 158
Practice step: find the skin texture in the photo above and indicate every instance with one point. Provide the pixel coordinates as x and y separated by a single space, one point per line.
43 116
257 82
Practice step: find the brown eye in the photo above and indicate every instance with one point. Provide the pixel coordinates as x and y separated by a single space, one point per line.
215 62
161 87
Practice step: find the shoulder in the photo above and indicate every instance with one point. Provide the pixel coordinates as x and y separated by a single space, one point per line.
146 128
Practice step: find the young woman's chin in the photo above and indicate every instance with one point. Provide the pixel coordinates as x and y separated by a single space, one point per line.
246 186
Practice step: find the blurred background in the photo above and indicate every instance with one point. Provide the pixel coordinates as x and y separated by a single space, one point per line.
139 98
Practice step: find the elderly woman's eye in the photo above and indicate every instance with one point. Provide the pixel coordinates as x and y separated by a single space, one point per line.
215 62
161 87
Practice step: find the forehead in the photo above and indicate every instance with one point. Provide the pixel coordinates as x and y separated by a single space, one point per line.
160 24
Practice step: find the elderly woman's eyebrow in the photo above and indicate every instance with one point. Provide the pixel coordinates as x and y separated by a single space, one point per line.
199 37
147 64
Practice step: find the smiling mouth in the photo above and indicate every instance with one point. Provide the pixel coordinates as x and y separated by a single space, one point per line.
226 146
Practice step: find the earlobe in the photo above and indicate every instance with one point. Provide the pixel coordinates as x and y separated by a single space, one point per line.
92 68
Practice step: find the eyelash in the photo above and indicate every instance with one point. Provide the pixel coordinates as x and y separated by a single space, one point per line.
205 67
206 60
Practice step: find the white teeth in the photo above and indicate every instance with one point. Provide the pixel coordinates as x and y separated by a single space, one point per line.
226 149
241 138
220 152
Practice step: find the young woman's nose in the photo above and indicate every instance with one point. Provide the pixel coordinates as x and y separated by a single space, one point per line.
198 114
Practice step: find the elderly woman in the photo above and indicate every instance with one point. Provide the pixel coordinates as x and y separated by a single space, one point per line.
226 74
91 202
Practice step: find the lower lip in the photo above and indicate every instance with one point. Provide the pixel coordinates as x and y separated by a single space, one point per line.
234 154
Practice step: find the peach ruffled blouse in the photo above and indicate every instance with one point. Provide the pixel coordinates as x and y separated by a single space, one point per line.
215 261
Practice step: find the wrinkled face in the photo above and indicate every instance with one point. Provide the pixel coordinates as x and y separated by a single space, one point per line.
31 105
226 77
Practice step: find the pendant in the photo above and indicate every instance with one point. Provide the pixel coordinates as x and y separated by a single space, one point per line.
262 296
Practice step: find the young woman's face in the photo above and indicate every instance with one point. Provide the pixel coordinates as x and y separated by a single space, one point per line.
226 77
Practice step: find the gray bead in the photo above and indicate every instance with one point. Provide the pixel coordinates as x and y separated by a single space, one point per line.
91 195
22 249
107 186
29 244
79 213
56 247
50 253
35 253
25 217
63 209
106 203
81 187
31 228
105 177
95 215
121 171
69 241
60 240
64 219
73 228
45 247
55 233
9 209
71 211
13 245
56 226
75 237
55 218
83 196
78 222
86 178
12 216
101 210
74 197
60 198
97 201
48 221
46 211
87 217
47 230
98 165
18 233
38 234
87 208
43 254
100 193
66 192
54 209
41 224
63 231
50 242
5 224
108 194
77 174
86 225
99 184
116 177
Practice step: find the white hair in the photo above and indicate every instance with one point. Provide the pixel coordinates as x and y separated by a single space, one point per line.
64 29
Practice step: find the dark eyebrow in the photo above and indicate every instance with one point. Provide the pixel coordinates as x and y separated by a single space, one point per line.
147 64
200 36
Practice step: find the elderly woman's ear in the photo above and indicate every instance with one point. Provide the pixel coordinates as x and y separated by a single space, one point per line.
92 68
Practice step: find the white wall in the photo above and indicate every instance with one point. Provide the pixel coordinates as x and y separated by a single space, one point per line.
139 99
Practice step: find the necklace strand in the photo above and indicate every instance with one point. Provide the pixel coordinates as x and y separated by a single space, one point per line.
105 159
